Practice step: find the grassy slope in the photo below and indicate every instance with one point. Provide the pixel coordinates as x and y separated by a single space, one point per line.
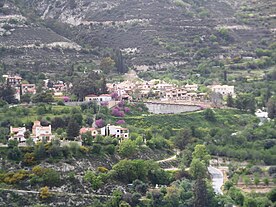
233 119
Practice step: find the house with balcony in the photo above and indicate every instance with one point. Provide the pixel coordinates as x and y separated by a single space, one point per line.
18 134
115 131
13 80
28 89
40 133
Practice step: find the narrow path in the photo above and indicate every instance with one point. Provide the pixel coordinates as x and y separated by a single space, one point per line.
57 193
216 174
172 169
167 159
217 178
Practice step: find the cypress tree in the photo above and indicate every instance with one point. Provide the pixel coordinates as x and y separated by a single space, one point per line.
73 129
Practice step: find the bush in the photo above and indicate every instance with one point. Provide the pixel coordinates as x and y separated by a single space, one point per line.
127 148
51 177
92 178
84 149
60 103
209 115
38 170
44 193
15 154
15 177
102 169
255 169
29 159
272 170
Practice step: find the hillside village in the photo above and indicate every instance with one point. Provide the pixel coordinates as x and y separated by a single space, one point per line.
126 90
126 103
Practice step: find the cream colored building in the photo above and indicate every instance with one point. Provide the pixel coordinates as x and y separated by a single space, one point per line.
223 89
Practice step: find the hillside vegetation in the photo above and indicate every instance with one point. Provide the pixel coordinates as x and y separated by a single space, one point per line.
174 35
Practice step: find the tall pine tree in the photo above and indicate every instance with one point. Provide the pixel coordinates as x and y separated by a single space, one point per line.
230 101
73 129
119 62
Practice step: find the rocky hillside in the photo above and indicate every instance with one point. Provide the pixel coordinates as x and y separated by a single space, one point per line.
26 44
158 33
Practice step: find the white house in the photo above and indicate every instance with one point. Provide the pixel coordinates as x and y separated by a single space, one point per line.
115 131
41 132
99 99
223 89
28 88
18 134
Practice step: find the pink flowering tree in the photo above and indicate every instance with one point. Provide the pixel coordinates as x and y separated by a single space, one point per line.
66 98
104 103
120 122
117 112
100 123
114 95
127 110
121 104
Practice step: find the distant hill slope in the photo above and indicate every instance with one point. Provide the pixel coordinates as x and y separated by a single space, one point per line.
25 44
162 32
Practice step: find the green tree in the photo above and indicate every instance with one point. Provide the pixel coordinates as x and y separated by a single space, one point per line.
200 194
271 107
246 180
246 102
43 97
92 178
183 138
127 148
15 154
236 195
51 177
26 98
30 142
73 129
250 202
200 153
198 169
115 199
90 84
209 115
230 101
7 94
40 151
107 65
256 180
272 195
266 181
87 138
119 62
